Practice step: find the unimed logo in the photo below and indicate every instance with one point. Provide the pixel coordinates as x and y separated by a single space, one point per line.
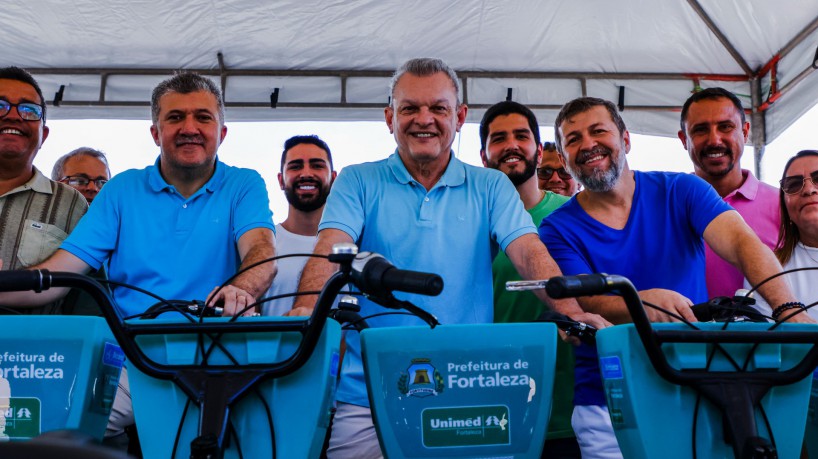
466 426
22 418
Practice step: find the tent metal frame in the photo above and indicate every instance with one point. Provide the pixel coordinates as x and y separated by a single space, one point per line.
756 78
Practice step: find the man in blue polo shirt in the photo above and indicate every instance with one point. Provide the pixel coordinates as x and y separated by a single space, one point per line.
182 226
424 210
177 228
646 226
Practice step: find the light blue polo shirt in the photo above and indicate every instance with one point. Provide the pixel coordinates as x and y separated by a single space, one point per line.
153 238
453 230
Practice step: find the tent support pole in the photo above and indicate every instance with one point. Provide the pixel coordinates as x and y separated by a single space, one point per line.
758 125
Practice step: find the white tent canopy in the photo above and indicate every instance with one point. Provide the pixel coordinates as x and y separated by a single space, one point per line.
331 60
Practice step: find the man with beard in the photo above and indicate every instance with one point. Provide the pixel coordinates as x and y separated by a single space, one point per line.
306 177
714 131
426 211
646 226
551 173
510 143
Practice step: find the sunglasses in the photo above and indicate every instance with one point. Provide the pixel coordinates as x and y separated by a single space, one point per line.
27 111
795 183
79 180
546 173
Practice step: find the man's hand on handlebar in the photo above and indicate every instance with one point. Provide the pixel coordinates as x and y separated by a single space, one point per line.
233 299
595 320
669 300
589 318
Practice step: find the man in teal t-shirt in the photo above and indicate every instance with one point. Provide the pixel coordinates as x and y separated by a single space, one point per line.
510 143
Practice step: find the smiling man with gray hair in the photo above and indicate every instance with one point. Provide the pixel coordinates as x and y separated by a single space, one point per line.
424 208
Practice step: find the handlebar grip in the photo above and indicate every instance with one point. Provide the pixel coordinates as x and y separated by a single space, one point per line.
412 281
581 285
23 280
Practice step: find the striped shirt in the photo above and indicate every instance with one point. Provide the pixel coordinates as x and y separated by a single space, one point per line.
34 220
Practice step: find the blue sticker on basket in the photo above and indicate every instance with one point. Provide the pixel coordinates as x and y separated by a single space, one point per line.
611 367
333 365
113 355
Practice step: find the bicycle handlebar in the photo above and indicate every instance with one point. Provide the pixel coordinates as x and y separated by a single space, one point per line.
595 284
735 393
217 387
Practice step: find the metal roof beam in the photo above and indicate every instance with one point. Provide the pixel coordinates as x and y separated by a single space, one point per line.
720 36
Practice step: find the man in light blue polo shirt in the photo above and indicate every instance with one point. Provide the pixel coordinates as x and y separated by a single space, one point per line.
425 210
177 228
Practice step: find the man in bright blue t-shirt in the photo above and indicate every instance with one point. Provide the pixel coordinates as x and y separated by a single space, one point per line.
424 210
648 227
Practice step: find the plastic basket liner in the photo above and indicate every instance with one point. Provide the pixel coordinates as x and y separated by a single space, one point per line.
56 372
811 434
461 390
299 403
654 418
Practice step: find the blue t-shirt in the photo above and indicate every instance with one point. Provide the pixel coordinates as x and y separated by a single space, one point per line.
661 246
153 238
452 230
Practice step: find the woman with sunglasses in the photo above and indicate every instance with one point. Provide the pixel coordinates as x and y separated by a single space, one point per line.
797 245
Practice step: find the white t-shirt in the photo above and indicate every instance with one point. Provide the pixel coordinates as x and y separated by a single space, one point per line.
289 269
802 283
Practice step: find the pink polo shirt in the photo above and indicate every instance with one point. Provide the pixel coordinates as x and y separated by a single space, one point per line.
757 203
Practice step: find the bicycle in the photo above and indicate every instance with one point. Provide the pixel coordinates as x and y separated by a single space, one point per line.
741 393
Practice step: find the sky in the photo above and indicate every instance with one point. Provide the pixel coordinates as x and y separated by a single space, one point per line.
257 145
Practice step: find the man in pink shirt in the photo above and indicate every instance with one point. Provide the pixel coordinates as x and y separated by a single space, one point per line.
714 131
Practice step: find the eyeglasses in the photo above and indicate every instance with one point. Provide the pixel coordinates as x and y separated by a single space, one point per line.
79 180
27 110
546 173
795 183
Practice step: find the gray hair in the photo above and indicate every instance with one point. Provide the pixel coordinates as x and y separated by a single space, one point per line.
424 66
185 83
59 166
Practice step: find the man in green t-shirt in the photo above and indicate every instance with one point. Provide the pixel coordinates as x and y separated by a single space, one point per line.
510 143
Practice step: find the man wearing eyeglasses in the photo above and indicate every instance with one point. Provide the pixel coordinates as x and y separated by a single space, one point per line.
714 131
551 174
85 169
36 213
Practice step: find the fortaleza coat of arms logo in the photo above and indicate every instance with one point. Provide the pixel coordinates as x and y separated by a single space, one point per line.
421 379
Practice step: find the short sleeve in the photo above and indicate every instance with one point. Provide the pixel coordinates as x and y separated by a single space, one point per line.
344 210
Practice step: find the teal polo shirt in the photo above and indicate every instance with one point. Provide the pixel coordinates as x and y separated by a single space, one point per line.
452 230
151 237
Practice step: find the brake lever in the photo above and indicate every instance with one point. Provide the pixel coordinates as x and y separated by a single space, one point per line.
727 309
393 303
198 307
585 332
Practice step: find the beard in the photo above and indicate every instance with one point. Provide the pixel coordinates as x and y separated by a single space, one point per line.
714 172
517 178
303 203
599 180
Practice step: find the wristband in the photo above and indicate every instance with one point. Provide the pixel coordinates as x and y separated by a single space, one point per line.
786 306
